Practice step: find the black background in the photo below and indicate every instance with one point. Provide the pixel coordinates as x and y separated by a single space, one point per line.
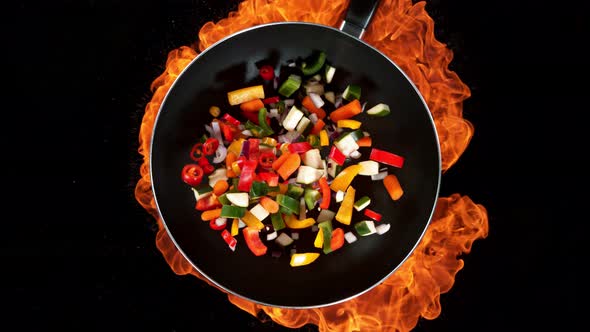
79 252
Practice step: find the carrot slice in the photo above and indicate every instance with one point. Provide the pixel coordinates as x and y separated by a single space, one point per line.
229 159
210 214
319 125
290 165
269 204
310 106
394 189
252 105
280 160
346 111
220 187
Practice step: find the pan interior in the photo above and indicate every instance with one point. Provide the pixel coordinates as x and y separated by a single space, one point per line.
408 131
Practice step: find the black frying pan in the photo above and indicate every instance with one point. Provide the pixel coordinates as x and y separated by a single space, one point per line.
409 131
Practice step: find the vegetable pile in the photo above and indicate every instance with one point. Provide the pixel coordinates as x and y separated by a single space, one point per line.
270 168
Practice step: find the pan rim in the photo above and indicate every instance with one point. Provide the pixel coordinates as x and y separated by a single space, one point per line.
285 306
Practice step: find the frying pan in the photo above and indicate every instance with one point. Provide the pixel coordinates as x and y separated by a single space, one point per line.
409 130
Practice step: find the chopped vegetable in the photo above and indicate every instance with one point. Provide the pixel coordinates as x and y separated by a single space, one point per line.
351 92
214 111
313 64
387 158
300 259
218 224
326 193
278 223
289 203
269 204
230 211
365 227
289 86
379 110
289 166
292 222
267 72
192 174
243 95
229 239
346 111
393 187
382 228
210 214
308 103
344 214
369 167
345 177
362 203
240 199
373 215
253 241
201 190
329 74
252 106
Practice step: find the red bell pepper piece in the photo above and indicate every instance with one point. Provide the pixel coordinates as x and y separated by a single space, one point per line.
253 116
230 120
372 214
271 100
227 131
337 155
337 240
229 239
247 175
254 148
326 193
300 147
272 179
253 241
387 158
208 202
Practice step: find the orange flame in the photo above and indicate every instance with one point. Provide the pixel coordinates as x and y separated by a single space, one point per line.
404 32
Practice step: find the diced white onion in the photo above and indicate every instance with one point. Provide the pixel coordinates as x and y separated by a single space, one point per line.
217 131
220 154
350 237
313 118
220 221
302 210
295 235
289 102
283 240
246 133
316 99
241 224
382 228
379 176
363 106
271 236
339 196
355 154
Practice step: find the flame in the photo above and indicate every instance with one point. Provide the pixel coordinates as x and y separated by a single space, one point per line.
404 32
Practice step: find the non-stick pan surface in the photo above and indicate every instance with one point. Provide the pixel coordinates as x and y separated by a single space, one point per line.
408 131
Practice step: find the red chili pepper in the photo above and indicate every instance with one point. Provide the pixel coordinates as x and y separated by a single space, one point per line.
300 147
247 175
271 100
387 158
372 214
210 146
266 159
230 120
267 72
213 224
272 179
197 151
254 148
337 155
326 194
206 165
229 239
192 174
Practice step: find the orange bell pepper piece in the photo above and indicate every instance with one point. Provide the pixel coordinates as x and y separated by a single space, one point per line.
310 106
394 189
290 166
252 105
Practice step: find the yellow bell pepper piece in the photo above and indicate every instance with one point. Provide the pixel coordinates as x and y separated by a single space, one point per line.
344 178
236 146
243 95
344 214
300 259
324 139
352 124
319 240
234 227
251 221
293 222
268 141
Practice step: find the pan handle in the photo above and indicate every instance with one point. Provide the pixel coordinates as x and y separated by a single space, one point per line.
358 15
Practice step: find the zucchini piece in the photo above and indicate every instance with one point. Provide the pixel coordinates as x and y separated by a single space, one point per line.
379 110
365 227
352 92
290 85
